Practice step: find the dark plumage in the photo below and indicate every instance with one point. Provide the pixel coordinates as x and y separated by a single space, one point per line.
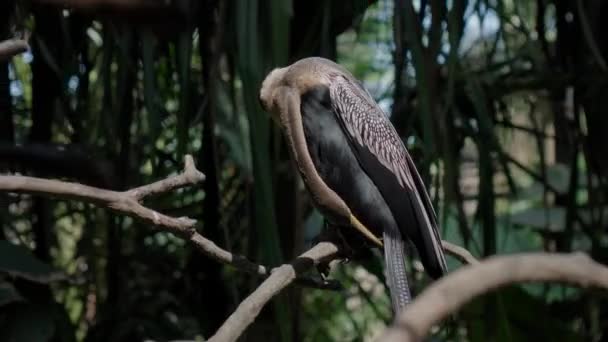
354 164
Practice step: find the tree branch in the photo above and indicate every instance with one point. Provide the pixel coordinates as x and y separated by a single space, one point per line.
284 275
12 47
128 203
451 292
434 304
278 280
190 176
460 253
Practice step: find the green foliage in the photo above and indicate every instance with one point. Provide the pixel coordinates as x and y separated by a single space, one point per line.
251 62
501 104
18 261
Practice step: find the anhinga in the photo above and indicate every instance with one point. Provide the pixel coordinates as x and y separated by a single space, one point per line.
354 164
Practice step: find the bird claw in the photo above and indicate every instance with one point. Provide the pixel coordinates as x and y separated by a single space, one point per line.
323 269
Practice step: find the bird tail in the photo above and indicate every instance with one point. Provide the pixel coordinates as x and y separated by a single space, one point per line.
394 256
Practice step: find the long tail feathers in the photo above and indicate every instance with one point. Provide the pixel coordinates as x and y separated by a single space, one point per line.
394 256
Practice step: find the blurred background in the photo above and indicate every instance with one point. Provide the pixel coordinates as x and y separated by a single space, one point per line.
501 103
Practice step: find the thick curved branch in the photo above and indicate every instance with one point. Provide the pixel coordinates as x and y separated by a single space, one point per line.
278 280
451 292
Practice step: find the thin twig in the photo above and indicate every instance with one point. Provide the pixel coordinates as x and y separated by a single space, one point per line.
220 255
190 176
451 292
459 253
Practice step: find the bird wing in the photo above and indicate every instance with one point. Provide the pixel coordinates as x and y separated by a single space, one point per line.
383 156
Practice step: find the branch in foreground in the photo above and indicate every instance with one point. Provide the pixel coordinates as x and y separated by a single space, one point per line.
278 280
284 275
129 203
451 292
12 47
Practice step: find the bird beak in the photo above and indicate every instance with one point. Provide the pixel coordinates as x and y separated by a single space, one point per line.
270 112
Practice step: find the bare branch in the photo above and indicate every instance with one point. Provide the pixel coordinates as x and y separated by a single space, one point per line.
284 275
190 176
459 253
279 279
128 203
12 47
451 292
121 202
218 254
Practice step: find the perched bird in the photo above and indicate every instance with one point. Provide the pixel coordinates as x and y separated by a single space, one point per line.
354 164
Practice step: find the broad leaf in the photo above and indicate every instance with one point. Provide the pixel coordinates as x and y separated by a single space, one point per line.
18 261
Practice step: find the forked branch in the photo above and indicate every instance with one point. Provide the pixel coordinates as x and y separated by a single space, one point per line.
129 203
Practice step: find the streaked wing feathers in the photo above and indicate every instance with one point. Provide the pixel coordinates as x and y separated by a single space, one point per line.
369 127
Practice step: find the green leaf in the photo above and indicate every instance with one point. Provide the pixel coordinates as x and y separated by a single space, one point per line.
151 96
523 311
551 219
280 11
18 261
518 315
183 55
251 65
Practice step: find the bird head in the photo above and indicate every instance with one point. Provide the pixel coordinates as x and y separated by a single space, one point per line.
298 77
